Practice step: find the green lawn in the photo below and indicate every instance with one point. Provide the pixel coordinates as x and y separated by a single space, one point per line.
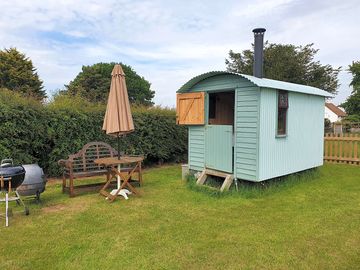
308 224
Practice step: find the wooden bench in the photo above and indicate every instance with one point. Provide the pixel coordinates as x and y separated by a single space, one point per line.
81 165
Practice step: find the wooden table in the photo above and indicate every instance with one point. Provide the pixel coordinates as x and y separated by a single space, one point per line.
113 164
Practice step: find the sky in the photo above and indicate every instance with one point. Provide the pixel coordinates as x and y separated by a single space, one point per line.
169 42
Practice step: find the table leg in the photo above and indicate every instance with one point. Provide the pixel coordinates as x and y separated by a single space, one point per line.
123 181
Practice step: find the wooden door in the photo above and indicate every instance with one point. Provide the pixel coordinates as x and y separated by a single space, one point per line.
219 147
190 109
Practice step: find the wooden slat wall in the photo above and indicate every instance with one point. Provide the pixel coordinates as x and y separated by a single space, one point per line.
197 147
246 133
342 148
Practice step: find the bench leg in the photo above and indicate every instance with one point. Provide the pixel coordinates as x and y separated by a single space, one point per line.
140 175
71 187
63 183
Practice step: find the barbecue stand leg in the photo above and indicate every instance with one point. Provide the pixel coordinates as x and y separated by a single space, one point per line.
6 209
26 209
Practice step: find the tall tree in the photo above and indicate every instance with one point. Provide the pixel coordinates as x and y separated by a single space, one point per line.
93 84
352 103
17 73
288 63
354 69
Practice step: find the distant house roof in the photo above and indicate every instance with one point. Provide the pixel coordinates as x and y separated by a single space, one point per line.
335 109
260 82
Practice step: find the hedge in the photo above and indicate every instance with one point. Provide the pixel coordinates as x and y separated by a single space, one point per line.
32 132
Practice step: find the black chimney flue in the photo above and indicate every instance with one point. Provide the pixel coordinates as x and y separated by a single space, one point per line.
258 52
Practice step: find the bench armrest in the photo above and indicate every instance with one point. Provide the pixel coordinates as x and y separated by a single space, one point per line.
64 163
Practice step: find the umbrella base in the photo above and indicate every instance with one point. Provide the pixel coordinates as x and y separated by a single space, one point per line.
123 192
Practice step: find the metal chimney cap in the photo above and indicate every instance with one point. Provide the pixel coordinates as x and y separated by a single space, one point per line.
259 30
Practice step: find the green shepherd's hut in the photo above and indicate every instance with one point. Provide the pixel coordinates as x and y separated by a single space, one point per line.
249 127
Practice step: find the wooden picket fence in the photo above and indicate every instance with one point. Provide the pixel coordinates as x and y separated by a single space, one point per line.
342 148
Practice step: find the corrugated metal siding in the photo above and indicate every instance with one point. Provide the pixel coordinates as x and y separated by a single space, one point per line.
246 133
302 148
293 87
220 83
196 147
251 80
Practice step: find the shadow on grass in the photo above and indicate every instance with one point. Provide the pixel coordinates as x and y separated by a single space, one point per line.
253 190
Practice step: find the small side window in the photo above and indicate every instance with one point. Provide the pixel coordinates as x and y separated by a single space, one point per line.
283 105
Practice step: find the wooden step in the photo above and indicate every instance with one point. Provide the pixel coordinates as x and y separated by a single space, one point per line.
202 178
216 173
229 178
227 183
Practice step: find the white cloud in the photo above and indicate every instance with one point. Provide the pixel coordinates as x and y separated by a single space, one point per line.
169 42
260 8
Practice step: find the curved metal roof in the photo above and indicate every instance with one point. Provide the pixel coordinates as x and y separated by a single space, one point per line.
260 82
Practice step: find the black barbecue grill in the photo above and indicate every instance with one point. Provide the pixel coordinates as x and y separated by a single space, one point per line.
11 177
10 172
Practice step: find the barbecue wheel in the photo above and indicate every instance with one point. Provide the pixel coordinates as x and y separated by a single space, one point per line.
27 212
37 197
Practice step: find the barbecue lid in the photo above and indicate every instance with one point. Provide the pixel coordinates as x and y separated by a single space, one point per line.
7 168
10 171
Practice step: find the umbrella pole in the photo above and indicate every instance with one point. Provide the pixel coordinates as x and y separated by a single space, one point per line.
118 177
118 146
119 168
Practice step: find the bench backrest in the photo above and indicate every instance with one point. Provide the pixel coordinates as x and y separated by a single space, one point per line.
83 161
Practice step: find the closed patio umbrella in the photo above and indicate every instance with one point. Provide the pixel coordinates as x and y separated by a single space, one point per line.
118 120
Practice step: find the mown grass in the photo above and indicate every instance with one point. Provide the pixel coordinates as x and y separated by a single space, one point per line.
248 189
307 222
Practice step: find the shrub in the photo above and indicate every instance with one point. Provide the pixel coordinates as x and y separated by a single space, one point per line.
32 132
23 128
